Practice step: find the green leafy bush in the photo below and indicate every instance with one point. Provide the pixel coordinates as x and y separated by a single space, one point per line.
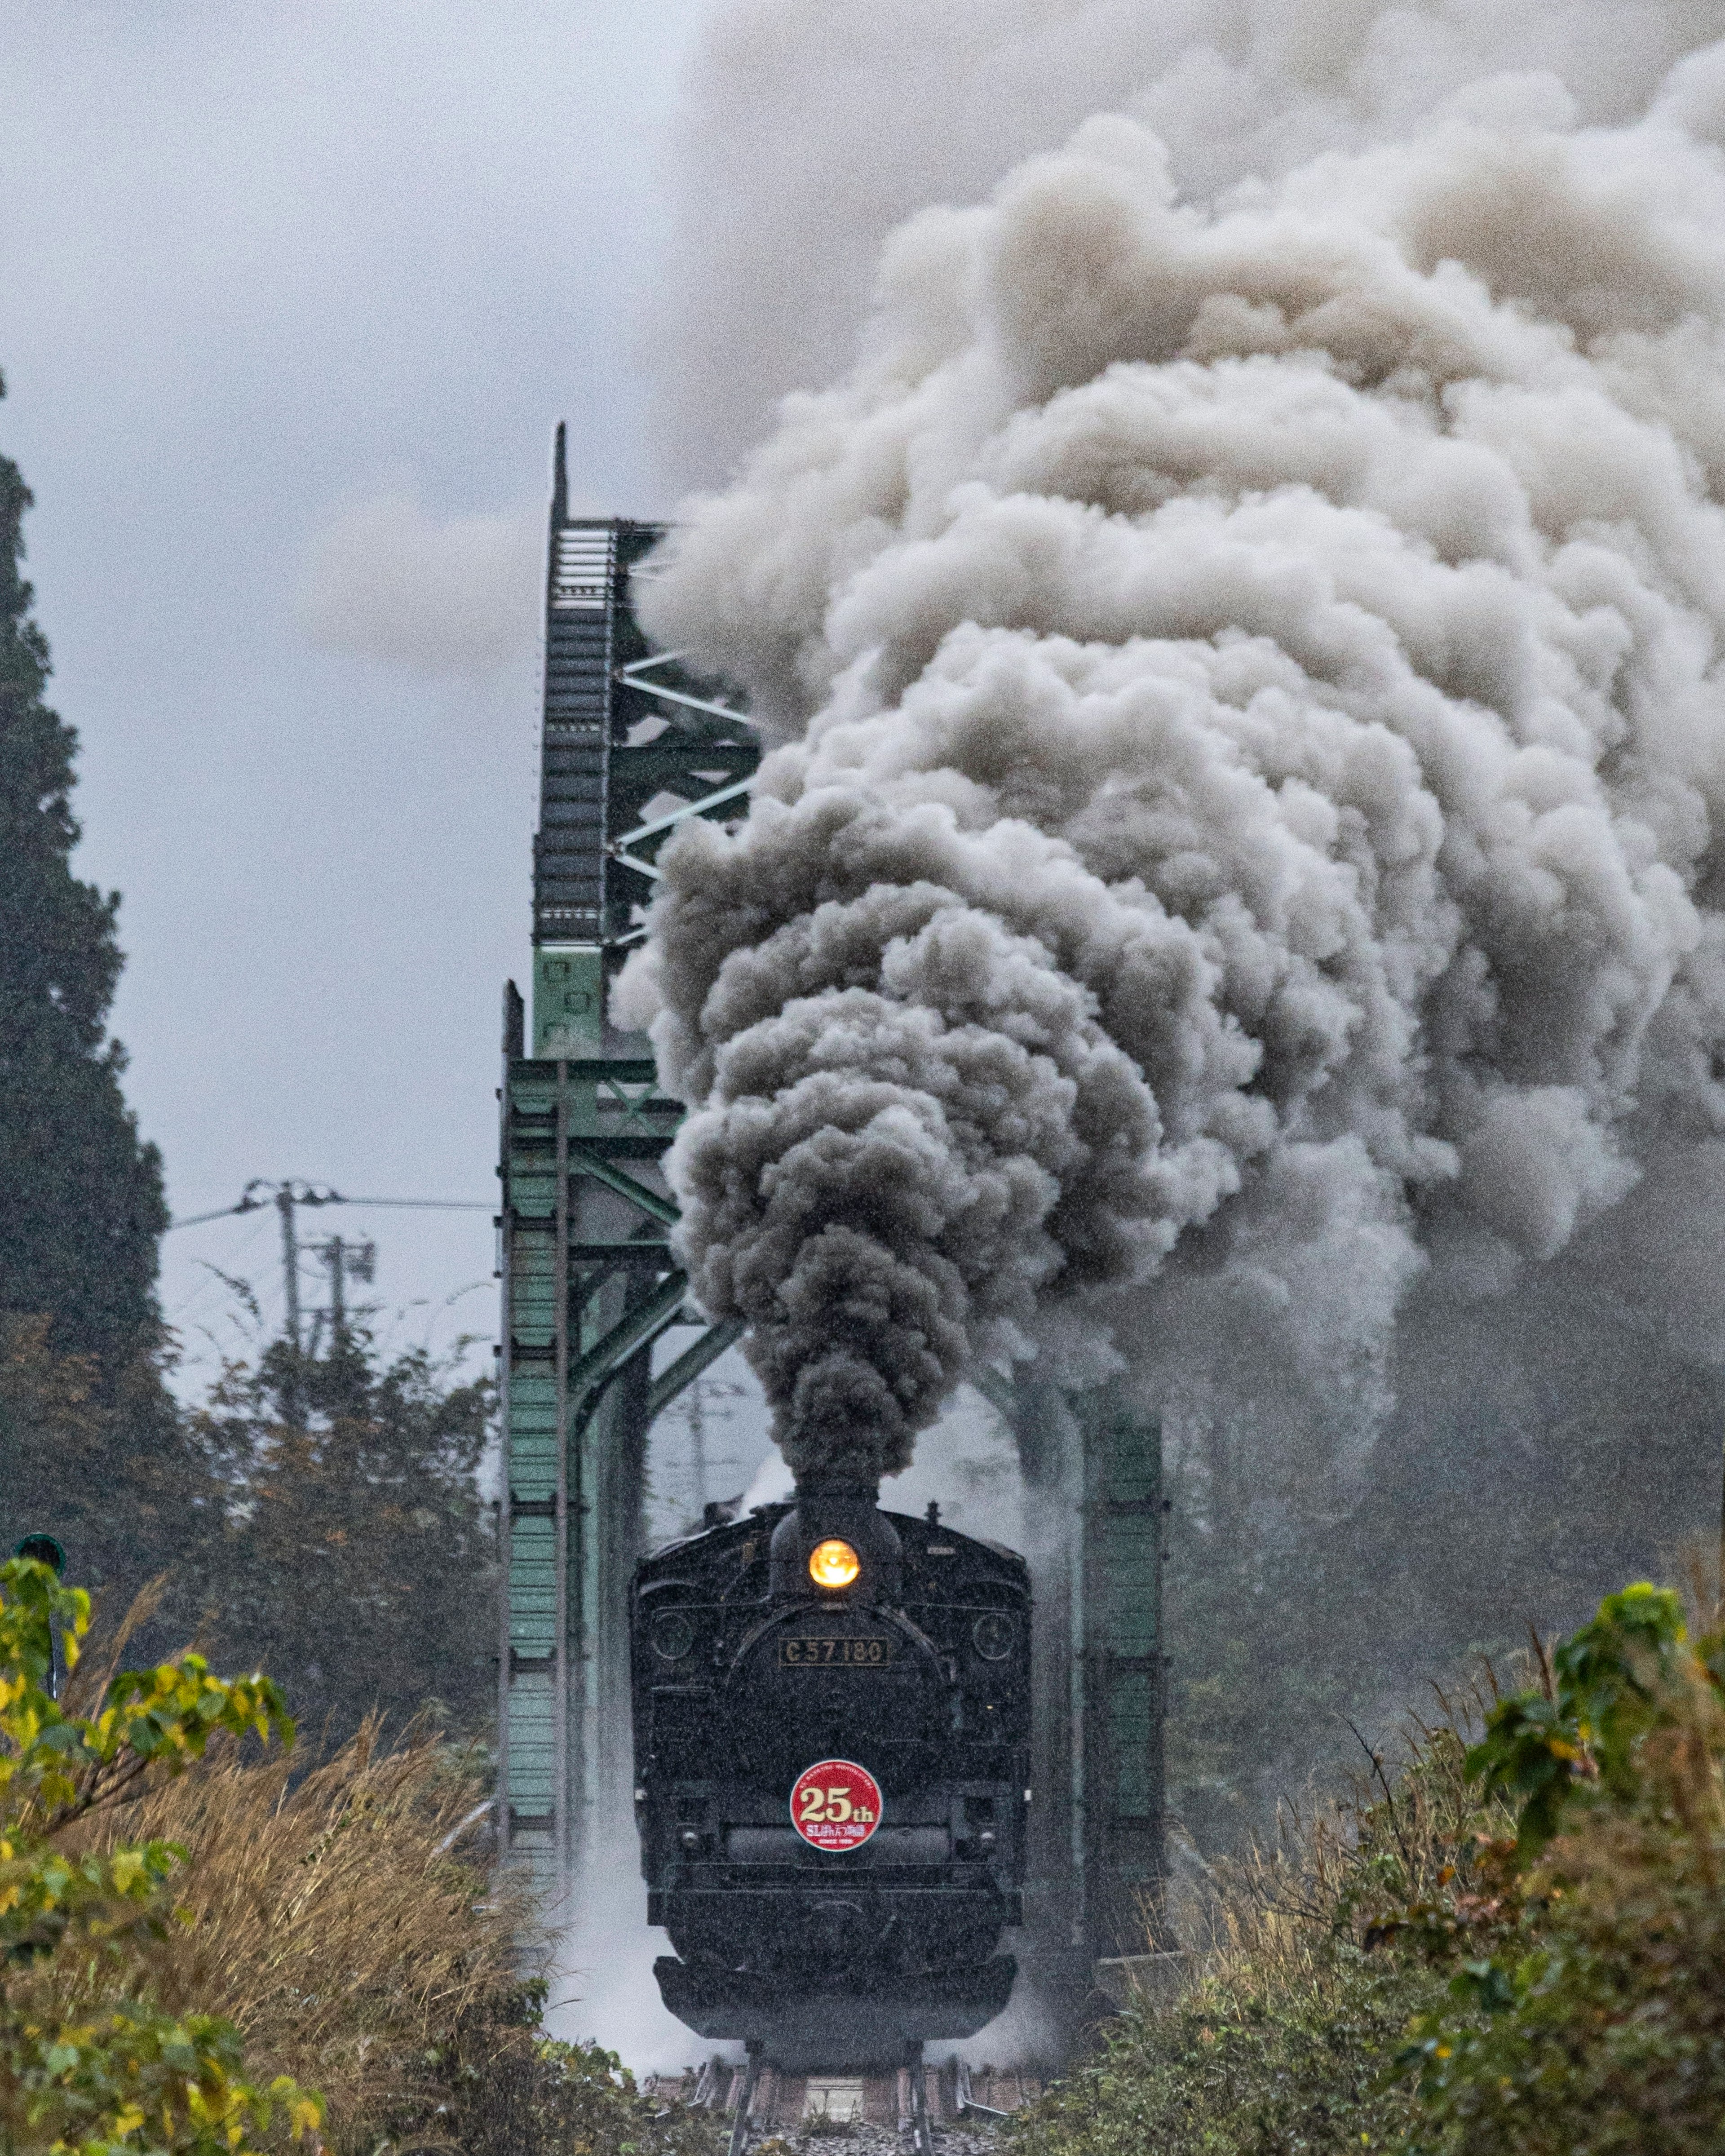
1587 2011
1239 2067
1511 1948
512 2090
127 2071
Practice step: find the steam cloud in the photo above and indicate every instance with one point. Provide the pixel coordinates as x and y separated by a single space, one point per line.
387 582
1250 761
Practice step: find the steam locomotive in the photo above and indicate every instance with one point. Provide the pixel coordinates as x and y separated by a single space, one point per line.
832 1743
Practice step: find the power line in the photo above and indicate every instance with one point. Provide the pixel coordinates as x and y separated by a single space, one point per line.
212 1274
286 1196
307 1194
429 1204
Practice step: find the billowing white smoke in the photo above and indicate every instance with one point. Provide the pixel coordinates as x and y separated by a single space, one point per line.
1252 753
813 127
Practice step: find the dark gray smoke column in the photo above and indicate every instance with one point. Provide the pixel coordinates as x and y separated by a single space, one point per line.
1247 826
913 1121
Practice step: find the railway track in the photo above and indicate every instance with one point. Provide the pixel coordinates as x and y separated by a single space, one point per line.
915 2102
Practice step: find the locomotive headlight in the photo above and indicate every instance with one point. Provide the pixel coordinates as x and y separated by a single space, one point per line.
834 1563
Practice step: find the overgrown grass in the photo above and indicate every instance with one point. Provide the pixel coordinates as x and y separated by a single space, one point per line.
324 1917
343 1915
1511 1948
1285 2038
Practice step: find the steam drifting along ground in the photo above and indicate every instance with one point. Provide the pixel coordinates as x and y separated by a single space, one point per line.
1244 831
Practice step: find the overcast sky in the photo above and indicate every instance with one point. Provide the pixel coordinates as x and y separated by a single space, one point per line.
289 302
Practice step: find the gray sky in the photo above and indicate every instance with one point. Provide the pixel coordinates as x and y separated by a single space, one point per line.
289 301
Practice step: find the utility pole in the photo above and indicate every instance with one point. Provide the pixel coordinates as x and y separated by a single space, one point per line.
697 1443
293 1391
291 1193
344 1261
290 1262
697 1406
354 1259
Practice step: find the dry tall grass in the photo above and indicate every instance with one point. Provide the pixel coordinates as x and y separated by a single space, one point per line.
330 1915
1386 1837
1281 2040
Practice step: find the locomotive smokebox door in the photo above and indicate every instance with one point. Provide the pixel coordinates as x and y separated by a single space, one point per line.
832 1744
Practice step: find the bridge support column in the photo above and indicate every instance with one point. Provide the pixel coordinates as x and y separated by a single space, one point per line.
1122 1808
1092 1473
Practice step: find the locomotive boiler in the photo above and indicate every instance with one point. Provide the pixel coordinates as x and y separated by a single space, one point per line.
832 1742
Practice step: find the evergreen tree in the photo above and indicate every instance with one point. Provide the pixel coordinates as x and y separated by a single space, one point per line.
80 1194
91 1450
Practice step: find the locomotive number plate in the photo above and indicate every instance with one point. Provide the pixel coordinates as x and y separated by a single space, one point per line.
836 1804
804 1654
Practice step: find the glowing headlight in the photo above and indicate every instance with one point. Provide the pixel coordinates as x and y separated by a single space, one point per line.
834 1563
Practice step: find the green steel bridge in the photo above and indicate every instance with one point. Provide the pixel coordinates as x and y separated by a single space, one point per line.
599 1335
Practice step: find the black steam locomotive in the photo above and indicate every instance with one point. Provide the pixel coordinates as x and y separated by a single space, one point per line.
832 1741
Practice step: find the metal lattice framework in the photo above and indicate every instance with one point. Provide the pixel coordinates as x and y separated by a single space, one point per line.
1094 1513
632 748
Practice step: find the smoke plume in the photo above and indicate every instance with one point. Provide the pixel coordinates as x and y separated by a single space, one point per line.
811 129
387 582
1244 824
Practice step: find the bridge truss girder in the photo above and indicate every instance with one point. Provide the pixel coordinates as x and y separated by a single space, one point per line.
632 748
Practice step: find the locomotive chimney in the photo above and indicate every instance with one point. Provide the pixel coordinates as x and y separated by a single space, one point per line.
829 1512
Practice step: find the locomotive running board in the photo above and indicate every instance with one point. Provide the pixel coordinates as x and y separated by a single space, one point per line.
803 2030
